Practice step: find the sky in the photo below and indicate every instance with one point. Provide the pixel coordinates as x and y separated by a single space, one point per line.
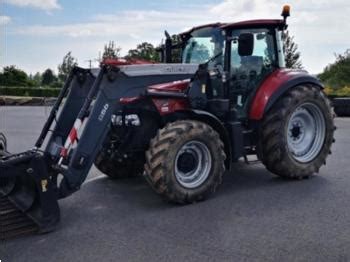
36 34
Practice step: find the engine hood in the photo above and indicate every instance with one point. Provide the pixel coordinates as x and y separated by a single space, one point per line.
136 70
158 69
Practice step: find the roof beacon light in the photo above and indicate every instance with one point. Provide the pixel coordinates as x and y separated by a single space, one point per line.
285 11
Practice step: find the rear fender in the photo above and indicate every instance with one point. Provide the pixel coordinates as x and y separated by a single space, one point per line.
274 86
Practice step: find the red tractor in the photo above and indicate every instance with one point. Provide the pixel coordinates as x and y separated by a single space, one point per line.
181 125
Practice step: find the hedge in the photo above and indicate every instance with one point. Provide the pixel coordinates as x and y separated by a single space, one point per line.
29 91
53 92
340 92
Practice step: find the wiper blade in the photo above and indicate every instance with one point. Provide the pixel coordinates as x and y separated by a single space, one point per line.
213 58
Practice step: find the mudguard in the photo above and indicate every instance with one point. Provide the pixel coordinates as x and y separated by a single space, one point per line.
275 85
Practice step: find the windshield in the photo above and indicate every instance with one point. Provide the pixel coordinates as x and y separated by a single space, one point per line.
202 45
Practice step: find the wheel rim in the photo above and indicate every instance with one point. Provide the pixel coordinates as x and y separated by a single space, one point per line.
192 164
306 132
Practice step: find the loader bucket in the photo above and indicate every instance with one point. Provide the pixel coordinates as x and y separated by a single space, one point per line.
28 201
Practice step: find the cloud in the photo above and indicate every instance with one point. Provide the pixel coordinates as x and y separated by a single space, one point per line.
4 20
134 23
318 26
47 5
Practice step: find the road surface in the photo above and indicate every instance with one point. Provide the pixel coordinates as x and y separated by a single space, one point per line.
254 216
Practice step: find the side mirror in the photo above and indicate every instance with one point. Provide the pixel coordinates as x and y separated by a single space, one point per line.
245 44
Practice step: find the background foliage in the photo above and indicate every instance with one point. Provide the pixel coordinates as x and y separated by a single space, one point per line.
16 82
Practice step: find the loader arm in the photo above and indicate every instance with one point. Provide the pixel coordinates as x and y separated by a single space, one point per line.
77 131
111 84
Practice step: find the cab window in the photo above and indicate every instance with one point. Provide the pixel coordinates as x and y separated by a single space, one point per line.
246 72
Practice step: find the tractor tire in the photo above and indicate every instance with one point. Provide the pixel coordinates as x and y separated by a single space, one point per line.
117 170
3 146
185 161
290 145
3 142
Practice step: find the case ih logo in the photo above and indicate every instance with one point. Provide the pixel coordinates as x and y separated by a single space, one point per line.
175 69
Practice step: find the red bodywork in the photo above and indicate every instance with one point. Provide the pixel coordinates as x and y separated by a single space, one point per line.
164 105
176 86
268 88
169 105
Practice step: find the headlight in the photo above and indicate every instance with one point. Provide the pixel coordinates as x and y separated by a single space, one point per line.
129 120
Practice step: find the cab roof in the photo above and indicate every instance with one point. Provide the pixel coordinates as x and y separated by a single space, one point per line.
256 23
279 23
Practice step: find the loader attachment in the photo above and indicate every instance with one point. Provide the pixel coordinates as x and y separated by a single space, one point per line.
28 201
29 187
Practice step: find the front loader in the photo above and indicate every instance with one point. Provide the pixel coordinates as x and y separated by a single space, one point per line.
181 125
29 180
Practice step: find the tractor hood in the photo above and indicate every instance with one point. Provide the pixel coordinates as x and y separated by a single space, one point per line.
158 69
126 81
143 68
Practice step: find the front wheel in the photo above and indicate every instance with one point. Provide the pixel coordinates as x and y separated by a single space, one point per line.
297 133
185 161
3 145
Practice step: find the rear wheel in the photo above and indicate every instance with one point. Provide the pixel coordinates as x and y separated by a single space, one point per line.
185 161
297 133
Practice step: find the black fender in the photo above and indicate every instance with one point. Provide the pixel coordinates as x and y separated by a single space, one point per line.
209 119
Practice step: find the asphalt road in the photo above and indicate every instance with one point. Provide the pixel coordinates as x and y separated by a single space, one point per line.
254 216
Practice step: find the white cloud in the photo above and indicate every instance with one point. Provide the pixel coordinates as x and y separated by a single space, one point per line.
4 20
319 26
46 5
133 23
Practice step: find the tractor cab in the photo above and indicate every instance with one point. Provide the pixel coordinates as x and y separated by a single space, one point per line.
237 57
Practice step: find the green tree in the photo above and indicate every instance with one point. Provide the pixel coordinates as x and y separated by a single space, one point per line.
37 78
34 80
67 64
176 51
337 75
11 76
144 51
111 51
291 53
48 77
